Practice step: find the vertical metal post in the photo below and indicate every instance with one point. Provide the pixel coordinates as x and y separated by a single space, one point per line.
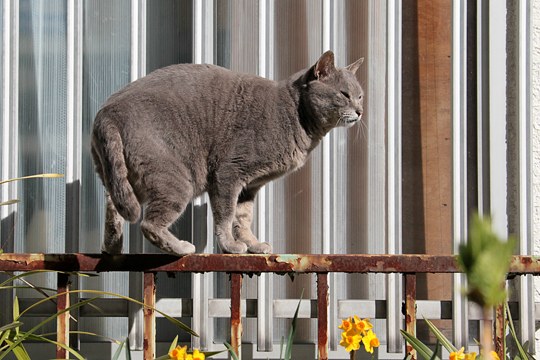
62 321
264 284
526 293
394 177
322 315
410 310
149 349
203 53
499 333
137 70
459 161
236 313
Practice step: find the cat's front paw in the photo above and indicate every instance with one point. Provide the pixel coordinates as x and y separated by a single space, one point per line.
180 248
260 248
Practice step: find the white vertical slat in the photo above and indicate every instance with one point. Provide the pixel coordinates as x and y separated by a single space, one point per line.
526 304
74 133
459 161
203 52
497 116
482 107
136 241
74 121
394 232
265 328
482 112
327 209
10 106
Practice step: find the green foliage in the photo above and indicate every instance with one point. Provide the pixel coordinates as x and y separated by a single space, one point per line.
13 336
485 259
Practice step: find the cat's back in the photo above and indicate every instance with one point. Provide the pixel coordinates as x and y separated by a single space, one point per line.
188 81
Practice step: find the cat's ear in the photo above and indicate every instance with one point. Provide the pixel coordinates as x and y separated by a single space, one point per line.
355 65
324 66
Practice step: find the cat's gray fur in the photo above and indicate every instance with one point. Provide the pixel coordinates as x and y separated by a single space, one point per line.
186 129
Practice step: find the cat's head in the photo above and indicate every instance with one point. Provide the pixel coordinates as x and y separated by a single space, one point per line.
332 95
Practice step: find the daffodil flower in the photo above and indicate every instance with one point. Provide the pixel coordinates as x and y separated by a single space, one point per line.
470 356
494 355
350 340
178 353
459 355
346 325
198 355
363 326
370 341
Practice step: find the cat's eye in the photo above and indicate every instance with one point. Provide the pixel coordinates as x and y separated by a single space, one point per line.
346 94
360 97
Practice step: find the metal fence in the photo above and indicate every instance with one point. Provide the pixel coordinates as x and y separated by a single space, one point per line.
237 266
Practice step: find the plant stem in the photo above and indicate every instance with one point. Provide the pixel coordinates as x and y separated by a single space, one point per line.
352 353
487 337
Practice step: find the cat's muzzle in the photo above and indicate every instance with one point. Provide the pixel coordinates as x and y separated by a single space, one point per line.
350 120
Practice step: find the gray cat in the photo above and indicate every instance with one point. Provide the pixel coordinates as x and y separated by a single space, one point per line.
188 129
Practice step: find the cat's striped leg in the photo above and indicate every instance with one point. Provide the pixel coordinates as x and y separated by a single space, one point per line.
223 199
242 224
165 203
113 237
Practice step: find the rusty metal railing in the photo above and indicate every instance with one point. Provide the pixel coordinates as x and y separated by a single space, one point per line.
236 266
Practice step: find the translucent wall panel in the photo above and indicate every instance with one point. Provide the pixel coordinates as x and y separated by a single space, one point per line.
169 40
40 216
106 68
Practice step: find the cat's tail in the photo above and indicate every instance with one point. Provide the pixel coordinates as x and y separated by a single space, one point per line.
108 154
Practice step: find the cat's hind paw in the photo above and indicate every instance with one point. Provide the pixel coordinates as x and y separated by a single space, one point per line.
234 247
260 248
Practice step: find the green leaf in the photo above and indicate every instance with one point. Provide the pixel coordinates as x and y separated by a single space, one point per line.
173 344
13 325
423 350
16 308
118 351
436 351
485 259
19 351
522 353
42 338
128 349
292 330
440 336
9 202
32 177
231 350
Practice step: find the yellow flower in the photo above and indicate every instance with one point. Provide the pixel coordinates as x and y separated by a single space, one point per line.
457 355
198 355
370 341
188 357
346 325
178 353
363 326
470 356
350 340
494 355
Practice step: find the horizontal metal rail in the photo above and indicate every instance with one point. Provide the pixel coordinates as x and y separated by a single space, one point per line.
321 265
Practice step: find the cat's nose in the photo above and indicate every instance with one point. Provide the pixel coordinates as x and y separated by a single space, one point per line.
359 113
